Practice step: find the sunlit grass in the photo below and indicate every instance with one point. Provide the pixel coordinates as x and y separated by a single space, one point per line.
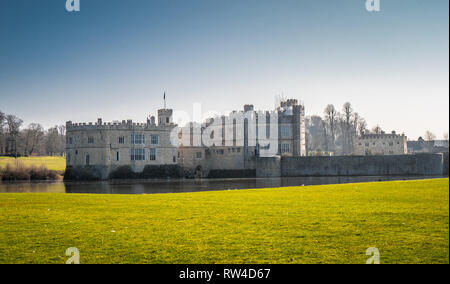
408 221
52 163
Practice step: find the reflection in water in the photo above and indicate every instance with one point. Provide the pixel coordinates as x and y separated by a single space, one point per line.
172 186
50 187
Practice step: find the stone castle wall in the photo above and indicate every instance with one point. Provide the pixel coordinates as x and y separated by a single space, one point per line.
423 164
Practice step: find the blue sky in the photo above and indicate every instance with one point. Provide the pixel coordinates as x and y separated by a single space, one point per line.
114 59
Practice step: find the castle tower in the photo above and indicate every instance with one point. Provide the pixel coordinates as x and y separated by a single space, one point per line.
165 116
292 116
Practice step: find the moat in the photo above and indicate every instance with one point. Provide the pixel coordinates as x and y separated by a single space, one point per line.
186 185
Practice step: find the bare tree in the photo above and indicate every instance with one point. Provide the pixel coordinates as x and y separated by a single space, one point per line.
13 124
325 135
347 128
332 118
32 138
55 141
362 126
2 132
315 134
62 139
429 136
377 129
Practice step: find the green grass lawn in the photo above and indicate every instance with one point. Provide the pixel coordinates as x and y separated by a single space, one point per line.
408 221
52 163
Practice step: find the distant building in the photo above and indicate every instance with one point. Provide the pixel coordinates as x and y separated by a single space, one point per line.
228 155
381 144
107 146
422 146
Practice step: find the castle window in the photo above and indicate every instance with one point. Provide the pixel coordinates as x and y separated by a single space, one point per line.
90 140
87 160
367 144
285 131
167 120
154 139
117 156
152 154
70 140
391 143
285 148
137 138
198 155
137 154
121 140
68 157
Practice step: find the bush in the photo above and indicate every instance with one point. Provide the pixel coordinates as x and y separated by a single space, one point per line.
167 171
82 173
123 172
149 172
18 171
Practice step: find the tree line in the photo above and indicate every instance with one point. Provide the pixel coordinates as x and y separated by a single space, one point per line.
335 131
32 140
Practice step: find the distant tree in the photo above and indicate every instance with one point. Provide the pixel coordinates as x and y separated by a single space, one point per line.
325 135
377 129
332 119
13 124
62 139
55 141
362 126
347 127
429 136
446 136
315 133
2 132
33 136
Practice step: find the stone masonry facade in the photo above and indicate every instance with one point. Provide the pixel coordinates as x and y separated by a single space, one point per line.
111 145
381 144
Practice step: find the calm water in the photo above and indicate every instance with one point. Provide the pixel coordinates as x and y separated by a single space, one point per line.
172 186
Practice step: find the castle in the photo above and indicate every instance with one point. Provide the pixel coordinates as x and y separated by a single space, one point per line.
230 145
381 144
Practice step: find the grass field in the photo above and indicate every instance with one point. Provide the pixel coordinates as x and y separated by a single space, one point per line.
52 163
408 221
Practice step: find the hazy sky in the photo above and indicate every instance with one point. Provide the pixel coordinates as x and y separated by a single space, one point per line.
114 59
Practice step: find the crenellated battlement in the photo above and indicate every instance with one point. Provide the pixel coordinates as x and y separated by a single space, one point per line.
124 125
